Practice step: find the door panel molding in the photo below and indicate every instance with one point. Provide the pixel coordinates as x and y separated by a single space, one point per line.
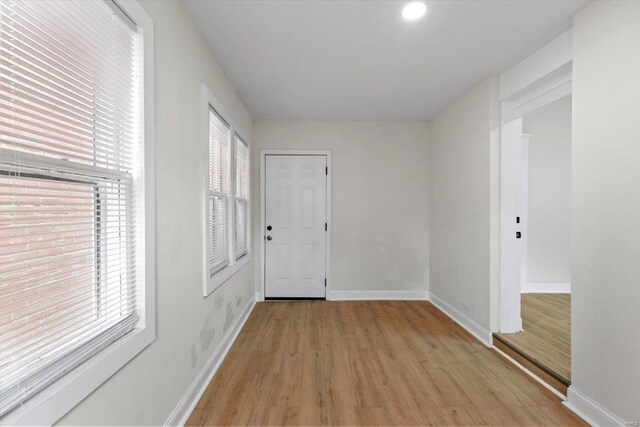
261 235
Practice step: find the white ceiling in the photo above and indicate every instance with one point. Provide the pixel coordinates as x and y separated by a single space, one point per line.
360 60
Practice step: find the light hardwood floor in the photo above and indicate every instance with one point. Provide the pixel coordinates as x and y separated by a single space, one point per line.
546 335
368 363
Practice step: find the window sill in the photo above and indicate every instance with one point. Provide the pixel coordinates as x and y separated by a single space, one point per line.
52 403
223 275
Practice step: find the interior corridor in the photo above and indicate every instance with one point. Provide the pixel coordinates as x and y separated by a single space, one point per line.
369 363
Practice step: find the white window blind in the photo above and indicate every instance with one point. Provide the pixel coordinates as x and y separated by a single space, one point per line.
219 192
69 160
241 198
226 195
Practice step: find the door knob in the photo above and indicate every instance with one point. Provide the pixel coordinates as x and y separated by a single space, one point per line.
269 238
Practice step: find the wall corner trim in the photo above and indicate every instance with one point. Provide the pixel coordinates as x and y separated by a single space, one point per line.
592 412
189 400
470 325
378 295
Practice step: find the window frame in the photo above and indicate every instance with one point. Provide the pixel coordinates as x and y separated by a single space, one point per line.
225 197
245 200
213 282
53 402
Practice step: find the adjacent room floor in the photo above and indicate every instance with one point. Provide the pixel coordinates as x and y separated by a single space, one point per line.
546 335
368 363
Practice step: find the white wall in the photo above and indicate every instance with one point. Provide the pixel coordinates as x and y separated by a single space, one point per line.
379 198
605 336
189 327
462 214
549 206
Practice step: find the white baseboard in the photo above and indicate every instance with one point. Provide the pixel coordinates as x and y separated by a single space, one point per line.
181 412
590 411
377 295
546 288
474 328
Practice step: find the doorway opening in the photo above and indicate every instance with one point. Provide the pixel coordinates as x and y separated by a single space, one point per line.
541 158
295 220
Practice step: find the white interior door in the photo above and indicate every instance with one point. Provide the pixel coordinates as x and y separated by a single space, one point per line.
295 226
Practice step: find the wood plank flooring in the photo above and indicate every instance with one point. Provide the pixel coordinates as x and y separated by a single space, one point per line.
368 363
546 338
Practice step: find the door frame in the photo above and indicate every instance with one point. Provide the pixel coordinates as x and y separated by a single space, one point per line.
263 194
539 80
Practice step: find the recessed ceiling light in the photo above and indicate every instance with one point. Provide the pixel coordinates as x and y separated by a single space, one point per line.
414 10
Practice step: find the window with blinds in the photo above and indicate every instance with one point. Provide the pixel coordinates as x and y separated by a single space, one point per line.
219 192
69 160
241 198
227 205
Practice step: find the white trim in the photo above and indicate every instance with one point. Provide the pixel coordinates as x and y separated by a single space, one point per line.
210 284
523 202
224 274
538 65
263 192
528 372
49 405
208 98
378 295
542 92
538 80
470 325
511 317
510 246
189 400
546 288
592 412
